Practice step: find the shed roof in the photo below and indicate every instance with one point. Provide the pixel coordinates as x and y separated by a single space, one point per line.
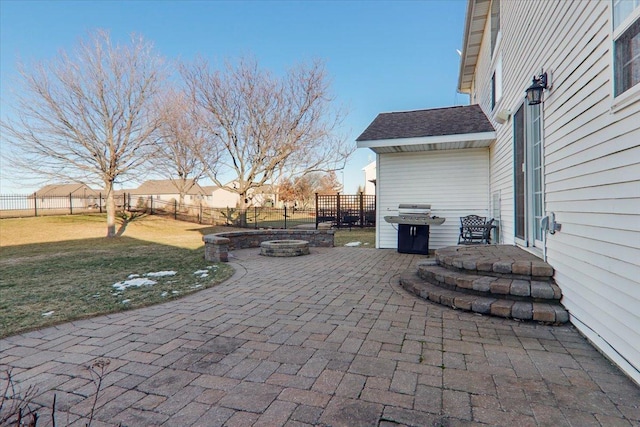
433 129
433 122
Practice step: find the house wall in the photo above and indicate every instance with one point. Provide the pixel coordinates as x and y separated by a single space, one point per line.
454 182
369 174
224 199
591 163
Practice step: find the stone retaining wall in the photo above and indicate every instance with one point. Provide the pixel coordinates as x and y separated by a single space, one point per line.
218 245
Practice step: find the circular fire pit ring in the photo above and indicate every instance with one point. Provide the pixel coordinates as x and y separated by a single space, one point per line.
284 248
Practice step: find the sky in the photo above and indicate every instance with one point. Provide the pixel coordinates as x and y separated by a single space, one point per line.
381 56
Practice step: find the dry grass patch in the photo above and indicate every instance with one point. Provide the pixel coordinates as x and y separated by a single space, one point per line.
56 269
366 236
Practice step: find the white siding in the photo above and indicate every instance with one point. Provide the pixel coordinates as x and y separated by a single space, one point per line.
454 182
591 163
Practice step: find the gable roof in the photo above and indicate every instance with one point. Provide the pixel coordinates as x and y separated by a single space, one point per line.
164 186
66 189
433 122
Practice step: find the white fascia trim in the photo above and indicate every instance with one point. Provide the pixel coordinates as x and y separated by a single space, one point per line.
440 139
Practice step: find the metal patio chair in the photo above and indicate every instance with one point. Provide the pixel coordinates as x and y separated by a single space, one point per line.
475 229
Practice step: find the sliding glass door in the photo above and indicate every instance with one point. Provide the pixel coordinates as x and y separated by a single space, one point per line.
528 175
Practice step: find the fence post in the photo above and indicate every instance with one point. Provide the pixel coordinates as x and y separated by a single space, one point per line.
255 217
361 210
151 204
200 217
70 205
35 204
338 214
128 206
100 202
285 217
316 211
175 209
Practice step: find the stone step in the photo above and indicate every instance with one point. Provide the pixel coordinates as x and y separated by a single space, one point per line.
495 260
492 287
552 313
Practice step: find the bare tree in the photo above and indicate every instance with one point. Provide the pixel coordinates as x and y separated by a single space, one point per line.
268 126
186 151
88 116
301 190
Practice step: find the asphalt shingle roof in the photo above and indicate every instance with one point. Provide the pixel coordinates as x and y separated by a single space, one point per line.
66 189
163 186
432 122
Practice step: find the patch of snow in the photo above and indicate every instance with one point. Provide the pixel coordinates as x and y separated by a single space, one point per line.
48 313
164 294
196 286
205 272
353 244
125 301
97 295
133 276
137 282
366 243
161 273
175 292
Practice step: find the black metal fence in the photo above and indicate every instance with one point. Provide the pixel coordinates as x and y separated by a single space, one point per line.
338 210
252 217
346 210
26 205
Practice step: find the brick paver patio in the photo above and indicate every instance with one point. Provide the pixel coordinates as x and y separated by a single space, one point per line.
326 339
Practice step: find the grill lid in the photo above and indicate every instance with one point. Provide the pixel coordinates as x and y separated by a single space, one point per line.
414 214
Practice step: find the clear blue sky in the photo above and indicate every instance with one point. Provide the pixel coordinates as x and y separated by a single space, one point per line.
381 56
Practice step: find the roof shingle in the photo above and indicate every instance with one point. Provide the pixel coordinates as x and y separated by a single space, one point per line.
423 123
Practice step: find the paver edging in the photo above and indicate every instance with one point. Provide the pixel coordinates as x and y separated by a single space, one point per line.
218 245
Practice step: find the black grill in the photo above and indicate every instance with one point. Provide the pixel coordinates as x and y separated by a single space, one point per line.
413 227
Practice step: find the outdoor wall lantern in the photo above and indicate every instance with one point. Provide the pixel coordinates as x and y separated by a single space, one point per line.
534 92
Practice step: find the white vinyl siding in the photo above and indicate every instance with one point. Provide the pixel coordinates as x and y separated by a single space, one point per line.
591 164
454 182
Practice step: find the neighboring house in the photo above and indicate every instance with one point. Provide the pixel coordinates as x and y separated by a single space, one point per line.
222 197
370 179
574 157
165 190
61 196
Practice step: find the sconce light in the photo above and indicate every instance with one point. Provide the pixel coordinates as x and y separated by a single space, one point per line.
534 92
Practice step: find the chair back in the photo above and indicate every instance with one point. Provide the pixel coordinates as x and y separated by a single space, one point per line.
472 221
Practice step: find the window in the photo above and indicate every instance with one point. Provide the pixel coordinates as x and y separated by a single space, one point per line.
626 35
493 91
495 23
496 83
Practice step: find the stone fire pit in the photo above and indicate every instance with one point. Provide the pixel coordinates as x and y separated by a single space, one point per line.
284 248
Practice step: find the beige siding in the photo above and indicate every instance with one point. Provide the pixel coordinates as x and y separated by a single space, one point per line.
591 163
454 182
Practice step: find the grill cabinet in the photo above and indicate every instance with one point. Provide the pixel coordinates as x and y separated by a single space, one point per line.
413 239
